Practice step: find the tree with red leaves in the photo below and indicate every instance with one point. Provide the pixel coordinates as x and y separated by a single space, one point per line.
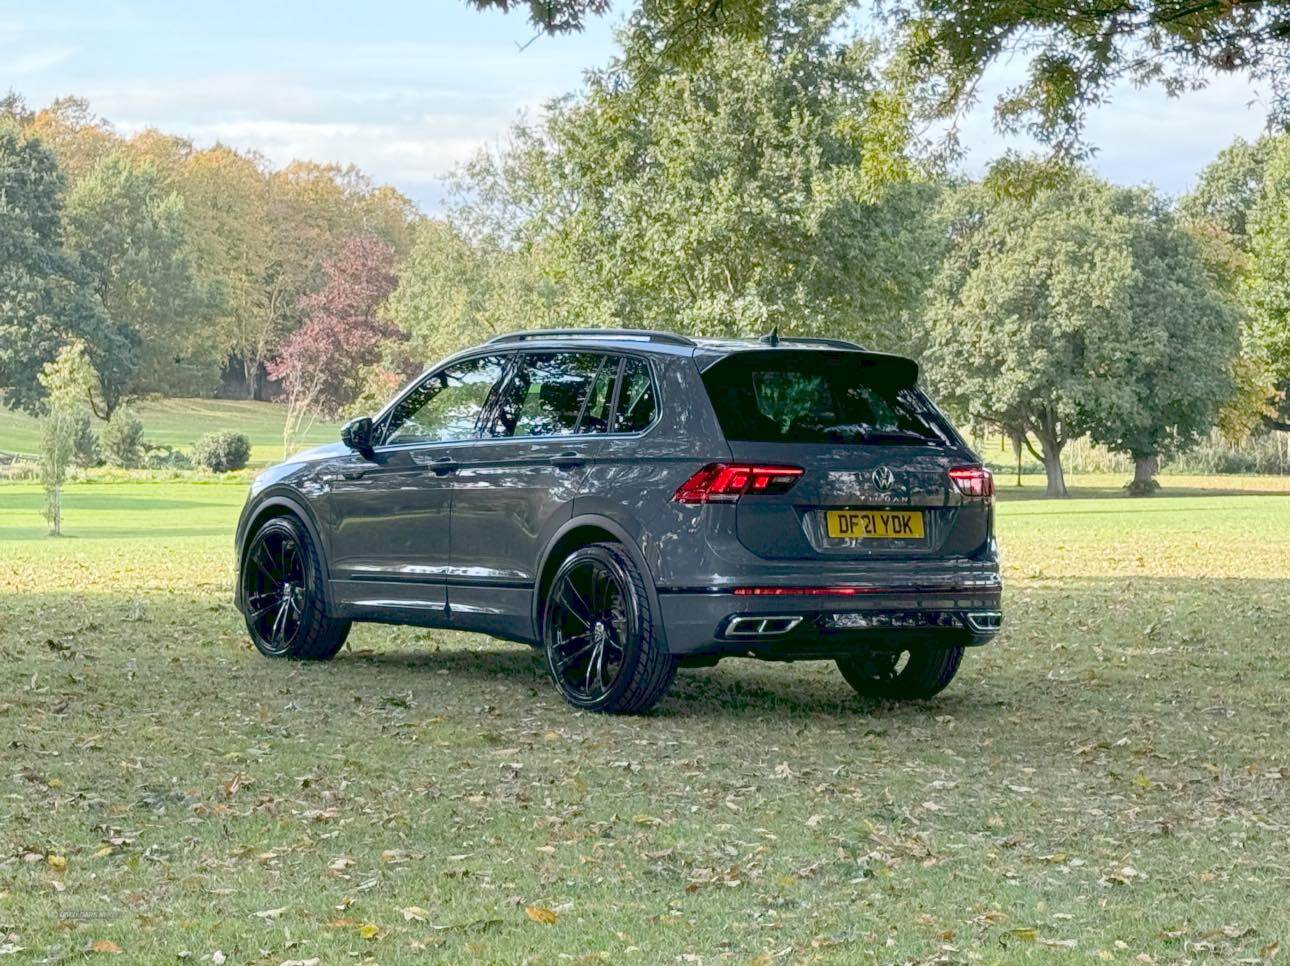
322 365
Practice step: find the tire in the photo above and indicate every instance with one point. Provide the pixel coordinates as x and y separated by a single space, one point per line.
879 674
282 594
629 643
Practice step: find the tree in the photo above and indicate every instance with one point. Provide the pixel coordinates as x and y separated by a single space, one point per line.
45 299
757 188
1076 52
128 230
1267 284
1237 211
453 293
343 329
1228 188
1050 317
68 382
1186 333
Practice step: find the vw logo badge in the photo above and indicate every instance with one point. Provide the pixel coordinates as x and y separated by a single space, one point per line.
883 478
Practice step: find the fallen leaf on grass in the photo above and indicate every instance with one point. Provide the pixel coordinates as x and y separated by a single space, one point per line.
103 946
58 863
269 915
369 930
1027 934
415 912
541 914
1270 950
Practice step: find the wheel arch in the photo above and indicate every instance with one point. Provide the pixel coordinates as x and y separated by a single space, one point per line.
281 505
578 532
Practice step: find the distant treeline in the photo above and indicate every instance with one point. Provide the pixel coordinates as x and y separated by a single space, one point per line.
778 182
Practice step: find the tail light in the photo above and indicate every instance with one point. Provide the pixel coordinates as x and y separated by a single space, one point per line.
727 482
973 481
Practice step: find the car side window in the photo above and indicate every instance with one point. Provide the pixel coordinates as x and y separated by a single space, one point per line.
545 394
446 406
636 402
595 417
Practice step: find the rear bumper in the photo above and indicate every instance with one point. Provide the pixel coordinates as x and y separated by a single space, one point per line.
791 626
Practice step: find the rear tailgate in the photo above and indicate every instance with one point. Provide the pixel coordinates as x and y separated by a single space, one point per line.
882 501
875 452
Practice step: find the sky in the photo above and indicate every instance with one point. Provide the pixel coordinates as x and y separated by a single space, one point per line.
409 89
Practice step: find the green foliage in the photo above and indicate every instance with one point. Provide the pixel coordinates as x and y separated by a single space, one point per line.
1229 187
1267 284
85 444
166 458
122 439
45 301
453 293
1078 309
222 451
129 231
57 448
1075 54
748 190
69 380
1186 334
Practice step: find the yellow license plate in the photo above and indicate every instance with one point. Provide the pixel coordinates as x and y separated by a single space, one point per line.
875 524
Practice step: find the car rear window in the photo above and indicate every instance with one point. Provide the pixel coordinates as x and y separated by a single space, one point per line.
787 396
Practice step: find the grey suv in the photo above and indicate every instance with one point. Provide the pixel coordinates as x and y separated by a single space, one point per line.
631 502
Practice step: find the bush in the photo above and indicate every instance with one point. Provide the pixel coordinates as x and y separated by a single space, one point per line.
85 445
166 458
122 440
222 451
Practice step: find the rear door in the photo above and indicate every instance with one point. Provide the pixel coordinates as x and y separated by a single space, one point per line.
876 456
516 484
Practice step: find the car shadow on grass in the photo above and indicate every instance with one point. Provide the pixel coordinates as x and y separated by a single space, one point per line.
736 686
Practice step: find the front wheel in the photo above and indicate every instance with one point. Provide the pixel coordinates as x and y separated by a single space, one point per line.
282 596
603 646
902 675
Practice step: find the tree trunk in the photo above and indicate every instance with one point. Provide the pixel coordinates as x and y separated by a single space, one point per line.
1056 477
1144 482
56 514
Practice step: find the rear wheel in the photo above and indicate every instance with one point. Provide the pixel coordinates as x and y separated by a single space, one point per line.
902 675
282 580
603 646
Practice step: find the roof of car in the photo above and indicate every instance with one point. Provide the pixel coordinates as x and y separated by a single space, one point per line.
669 342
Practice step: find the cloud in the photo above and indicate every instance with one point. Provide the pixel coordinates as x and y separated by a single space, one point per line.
35 61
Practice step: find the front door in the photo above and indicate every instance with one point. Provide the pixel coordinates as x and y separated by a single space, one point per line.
391 543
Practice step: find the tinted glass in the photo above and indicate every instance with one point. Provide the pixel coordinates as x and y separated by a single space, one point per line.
821 397
595 418
447 405
636 403
545 395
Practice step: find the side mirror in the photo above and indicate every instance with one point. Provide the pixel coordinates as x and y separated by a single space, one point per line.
357 435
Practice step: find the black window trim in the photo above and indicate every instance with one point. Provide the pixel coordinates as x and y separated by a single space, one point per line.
577 434
382 420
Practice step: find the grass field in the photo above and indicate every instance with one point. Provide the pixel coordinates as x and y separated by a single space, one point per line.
181 422
1109 780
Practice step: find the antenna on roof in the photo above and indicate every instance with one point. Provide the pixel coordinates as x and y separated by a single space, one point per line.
773 338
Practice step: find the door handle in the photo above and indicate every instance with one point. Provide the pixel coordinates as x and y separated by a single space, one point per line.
567 460
441 466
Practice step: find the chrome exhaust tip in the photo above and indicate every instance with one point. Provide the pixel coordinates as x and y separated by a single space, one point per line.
760 626
984 621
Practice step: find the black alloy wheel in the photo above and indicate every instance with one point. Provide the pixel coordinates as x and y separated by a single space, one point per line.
281 581
602 645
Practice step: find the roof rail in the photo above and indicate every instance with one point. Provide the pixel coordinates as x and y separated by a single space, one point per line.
836 343
646 335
